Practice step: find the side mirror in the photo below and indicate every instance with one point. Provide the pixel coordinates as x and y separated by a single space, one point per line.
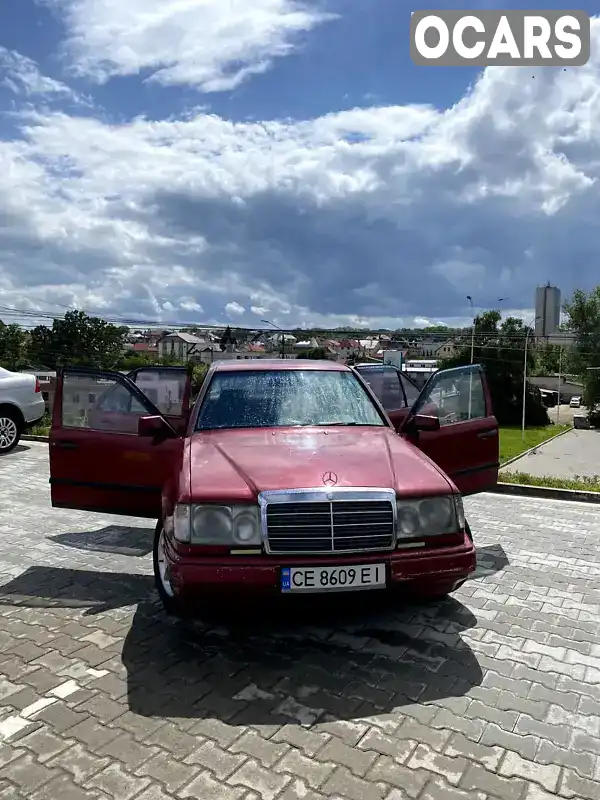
424 422
153 427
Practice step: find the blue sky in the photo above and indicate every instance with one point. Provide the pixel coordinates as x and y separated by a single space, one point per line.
231 161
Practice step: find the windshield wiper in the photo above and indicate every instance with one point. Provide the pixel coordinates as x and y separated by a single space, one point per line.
349 424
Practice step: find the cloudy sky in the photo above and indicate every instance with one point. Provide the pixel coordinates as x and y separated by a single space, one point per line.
227 160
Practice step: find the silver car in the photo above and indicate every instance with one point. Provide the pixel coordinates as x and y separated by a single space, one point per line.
21 406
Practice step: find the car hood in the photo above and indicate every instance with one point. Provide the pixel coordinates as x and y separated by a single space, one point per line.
236 465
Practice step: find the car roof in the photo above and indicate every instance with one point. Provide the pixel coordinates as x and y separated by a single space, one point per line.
264 364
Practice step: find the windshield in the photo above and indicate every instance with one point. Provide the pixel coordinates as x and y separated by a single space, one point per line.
280 398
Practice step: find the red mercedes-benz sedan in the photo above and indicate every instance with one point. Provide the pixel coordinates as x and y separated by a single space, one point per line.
286 476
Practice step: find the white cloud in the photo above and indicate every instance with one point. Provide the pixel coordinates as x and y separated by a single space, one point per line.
22 76
213 45
235 310
191 305
371 216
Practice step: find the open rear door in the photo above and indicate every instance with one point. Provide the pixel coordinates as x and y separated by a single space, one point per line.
393 389
169 389
98 462
466 446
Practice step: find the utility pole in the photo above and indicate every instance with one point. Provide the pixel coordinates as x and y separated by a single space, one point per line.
470 299
559 382
525 378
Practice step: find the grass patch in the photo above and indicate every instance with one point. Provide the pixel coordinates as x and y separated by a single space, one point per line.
42 428
582 483
512 445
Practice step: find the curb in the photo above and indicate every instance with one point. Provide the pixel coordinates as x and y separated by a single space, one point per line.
29 438
546 492
537 447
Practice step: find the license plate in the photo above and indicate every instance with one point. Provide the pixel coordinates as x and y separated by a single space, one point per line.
332 579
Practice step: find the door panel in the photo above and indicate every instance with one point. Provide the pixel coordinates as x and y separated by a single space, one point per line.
466 446
169 389
97 460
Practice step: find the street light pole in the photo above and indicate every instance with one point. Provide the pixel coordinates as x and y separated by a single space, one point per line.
268 322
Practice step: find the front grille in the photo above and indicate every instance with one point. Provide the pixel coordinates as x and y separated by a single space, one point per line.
328 526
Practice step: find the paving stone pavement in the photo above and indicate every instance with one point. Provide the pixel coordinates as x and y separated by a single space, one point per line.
492 694
576 453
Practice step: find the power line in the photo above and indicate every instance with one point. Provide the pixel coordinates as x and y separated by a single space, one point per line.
333 333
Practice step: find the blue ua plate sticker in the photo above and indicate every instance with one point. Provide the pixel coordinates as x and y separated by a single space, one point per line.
285 579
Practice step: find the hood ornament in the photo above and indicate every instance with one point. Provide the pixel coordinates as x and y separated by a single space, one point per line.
330 479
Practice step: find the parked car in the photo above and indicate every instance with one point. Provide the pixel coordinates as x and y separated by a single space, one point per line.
21 406
285 477
575 402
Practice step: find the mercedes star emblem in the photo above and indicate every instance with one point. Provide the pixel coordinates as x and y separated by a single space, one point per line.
330 479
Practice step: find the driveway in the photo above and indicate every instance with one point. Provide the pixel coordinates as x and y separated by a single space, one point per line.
492 694
572 455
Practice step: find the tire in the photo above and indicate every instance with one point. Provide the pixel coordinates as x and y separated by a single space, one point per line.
171 603
11 428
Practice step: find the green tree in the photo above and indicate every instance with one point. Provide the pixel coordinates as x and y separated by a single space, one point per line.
132 360
500 349
551 359
316 354
583 320
198 374
40 347
13 347
78 340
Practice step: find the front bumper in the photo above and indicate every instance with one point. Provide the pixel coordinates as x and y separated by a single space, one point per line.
439 569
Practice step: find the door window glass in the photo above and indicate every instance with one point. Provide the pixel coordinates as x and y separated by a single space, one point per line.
410 389
165 388
101 404
453 396
385 383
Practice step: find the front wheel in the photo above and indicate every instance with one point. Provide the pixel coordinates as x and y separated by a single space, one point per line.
10 431
171 603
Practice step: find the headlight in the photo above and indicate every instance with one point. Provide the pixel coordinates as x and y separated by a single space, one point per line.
431 516
217 525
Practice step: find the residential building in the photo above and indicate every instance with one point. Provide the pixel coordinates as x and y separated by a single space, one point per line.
445 349
425 348
182 346
144 348
273 342
547 310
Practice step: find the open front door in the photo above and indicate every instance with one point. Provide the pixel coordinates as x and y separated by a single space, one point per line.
169 389
466 446
98 462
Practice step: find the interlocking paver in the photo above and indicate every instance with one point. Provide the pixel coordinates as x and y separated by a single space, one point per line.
491 695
